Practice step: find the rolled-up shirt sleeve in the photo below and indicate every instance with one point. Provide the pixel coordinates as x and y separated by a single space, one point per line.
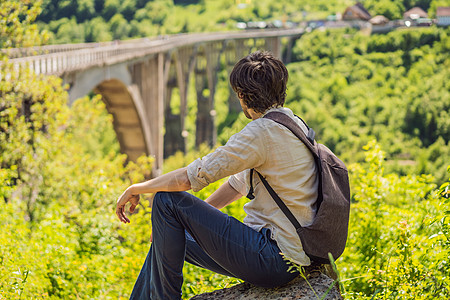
237 182
197 180
244 150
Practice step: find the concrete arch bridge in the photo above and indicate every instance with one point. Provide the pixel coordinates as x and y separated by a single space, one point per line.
136 79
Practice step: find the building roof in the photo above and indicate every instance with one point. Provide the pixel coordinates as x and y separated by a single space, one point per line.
443 11
362 8
356 12
415 13
379 20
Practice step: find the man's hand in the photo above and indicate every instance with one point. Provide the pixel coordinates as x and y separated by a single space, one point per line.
175 181
127 196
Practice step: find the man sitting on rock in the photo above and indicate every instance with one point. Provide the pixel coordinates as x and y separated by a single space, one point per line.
186 228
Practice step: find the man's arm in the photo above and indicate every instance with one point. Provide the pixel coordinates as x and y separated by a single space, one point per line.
223 196
175 181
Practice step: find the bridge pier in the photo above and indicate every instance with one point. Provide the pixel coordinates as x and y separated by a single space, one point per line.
234 51
149 76
173 139
179 65
204 122
287 54
206 69
273 44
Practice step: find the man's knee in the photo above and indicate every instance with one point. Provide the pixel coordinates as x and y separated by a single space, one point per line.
162 199
168 203
172 201
167 199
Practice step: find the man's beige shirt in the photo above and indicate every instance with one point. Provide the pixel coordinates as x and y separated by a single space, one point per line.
285 162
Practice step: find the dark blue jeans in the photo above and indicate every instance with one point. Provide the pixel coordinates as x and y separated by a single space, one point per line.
187 228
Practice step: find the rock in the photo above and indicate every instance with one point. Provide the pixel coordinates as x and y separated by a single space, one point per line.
296 289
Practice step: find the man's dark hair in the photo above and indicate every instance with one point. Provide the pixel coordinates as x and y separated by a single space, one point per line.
260 80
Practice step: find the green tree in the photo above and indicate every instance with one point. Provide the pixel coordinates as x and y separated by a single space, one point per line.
111 7
97 31
85 10
119 27
70 32
392 10
17 28
128 9
156 11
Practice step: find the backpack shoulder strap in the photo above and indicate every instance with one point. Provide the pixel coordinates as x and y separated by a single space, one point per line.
279 202
290 124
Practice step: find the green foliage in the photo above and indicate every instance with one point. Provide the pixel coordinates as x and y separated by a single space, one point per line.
30 111
69 31
97 31
17 26
119 26
390 9
111 7
61 173
393 250
352 88
442 234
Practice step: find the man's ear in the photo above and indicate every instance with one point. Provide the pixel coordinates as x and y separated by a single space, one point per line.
240 95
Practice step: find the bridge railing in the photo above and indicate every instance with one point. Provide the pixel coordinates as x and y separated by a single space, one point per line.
49 49
41 50
67 58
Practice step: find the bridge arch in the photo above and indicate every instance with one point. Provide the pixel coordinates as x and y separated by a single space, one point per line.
130 123
123 100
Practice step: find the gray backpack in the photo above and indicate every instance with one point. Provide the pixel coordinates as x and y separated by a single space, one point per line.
328 232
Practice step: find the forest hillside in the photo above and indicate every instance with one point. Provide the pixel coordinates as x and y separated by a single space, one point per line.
79 21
